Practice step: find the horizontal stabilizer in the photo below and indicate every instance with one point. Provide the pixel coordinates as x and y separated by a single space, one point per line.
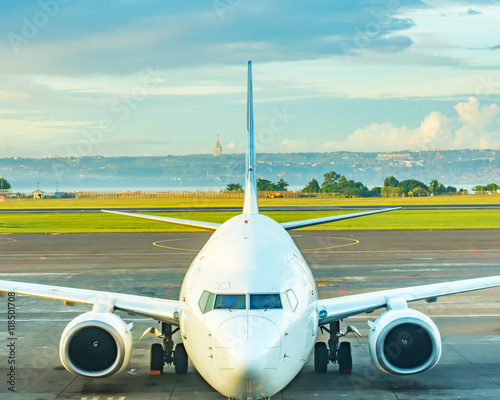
324 220
186 222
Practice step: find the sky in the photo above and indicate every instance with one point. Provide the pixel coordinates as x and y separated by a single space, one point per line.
152 77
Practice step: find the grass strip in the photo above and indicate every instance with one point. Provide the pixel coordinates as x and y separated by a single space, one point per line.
404 219
238 202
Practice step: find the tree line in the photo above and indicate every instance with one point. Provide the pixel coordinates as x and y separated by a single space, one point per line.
339 184
263 185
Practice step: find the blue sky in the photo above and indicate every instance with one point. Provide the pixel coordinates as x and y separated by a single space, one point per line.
151 77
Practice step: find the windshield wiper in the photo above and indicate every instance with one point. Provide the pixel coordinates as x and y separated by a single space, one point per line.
226 308
267 308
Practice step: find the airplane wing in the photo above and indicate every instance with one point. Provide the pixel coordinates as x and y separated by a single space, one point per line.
346 306
158 309
324 220
195 224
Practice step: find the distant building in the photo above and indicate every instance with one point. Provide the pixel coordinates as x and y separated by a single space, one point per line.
38 194
217 148
393 156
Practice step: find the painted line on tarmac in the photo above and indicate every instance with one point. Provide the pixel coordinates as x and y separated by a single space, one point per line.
482 255
419 251
89 255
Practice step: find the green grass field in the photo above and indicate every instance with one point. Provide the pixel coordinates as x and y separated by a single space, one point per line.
238 202
90 222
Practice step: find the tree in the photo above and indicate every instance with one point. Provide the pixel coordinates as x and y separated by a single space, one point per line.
391 181
433 186
330 179
375 191
312 187
265 185
389 191
419 192
409 184
493 187
4 184
490 187
234 187
281 185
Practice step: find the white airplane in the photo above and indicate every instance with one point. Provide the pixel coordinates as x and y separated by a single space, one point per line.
248 311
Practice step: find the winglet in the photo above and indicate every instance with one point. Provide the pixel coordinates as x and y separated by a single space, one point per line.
250 205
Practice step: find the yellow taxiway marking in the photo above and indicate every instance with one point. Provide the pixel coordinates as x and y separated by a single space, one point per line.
353 242
173 248
7 240
329 280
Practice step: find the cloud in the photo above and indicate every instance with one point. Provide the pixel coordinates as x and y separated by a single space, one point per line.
375 137
435 131
231 145
76 41
294 145
4 95
470 11
474 117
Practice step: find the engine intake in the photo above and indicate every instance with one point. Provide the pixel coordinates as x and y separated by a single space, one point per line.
96 345
404 342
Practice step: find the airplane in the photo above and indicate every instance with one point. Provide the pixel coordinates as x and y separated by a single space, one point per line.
248 311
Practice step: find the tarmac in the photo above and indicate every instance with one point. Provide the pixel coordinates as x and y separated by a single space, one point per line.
343 263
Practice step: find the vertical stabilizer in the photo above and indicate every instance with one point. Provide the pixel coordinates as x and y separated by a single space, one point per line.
250 205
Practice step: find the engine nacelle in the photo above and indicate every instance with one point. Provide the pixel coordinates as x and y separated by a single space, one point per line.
404 342
96 344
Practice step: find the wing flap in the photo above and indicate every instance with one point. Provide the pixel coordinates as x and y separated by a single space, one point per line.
186 222
342 307
324 220
155 308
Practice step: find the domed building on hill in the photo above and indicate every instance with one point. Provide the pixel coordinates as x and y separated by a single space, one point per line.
217 148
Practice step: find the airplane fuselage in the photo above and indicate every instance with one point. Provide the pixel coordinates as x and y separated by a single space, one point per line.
249 316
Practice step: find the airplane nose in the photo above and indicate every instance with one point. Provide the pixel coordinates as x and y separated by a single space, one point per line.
247 346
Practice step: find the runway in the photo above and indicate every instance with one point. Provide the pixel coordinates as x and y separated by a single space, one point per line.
343 263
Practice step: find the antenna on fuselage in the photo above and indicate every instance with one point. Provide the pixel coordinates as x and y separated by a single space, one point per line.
250 204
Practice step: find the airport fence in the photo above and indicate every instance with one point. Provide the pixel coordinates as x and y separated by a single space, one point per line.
177 194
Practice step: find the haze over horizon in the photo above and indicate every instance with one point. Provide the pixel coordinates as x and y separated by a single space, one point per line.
132 78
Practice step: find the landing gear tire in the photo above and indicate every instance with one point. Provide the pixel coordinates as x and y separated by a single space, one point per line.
180 359
157 359
345 358
320 357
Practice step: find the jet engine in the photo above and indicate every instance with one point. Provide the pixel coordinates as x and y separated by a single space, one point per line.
96 344
404 342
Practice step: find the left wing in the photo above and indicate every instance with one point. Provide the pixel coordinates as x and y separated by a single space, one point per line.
186 222
342 307
324 220
158 309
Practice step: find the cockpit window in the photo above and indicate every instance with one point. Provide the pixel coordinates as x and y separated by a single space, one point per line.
290 301
206 302
265 301
230 301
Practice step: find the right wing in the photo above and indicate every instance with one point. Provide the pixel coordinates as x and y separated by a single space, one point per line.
338 308
195 224
158 309
324 220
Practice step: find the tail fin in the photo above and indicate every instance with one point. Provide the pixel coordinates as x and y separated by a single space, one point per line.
250 205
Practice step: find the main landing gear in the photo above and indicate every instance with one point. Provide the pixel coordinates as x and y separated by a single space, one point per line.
335 352
162 354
